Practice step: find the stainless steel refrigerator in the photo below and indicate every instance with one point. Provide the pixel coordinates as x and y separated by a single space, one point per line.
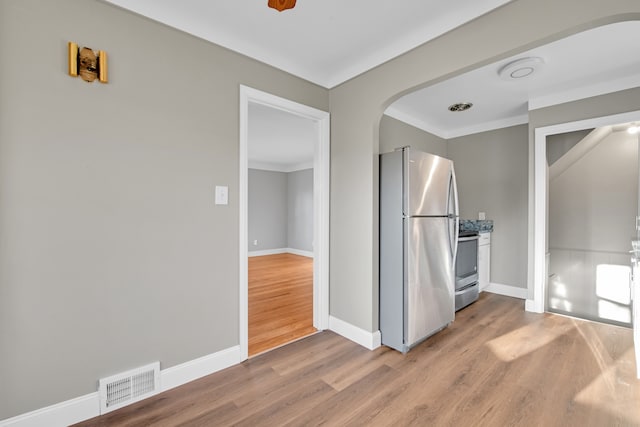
418 245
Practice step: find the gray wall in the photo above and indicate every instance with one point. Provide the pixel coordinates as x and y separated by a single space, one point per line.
491 168
280 210
113 253
394 134
300 210
357 107
267 209
109 231
558 145
589 108
593 204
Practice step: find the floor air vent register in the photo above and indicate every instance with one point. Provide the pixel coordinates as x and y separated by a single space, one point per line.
128 387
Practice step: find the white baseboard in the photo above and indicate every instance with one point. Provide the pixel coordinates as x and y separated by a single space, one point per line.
369 340
281 251
59 415
507 290
192 370
88 406
267 252
533 307
300 252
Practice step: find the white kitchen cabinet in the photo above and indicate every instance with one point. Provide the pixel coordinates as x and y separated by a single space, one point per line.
484 260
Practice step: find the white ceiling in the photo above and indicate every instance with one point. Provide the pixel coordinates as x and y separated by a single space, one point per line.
324 41
330 41
278 140
594 62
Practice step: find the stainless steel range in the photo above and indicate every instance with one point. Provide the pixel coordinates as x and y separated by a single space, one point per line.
466 285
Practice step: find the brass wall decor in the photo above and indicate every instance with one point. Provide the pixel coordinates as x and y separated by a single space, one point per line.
281 5
86 63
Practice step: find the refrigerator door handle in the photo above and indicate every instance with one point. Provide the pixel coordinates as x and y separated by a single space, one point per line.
453 198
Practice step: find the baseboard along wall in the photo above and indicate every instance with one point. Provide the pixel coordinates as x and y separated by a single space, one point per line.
88 406
369 340
507 290
281 251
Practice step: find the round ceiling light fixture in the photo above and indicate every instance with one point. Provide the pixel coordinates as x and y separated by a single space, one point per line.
521 68
460 106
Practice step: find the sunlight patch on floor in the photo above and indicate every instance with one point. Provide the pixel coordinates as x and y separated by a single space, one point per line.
526 339
609 393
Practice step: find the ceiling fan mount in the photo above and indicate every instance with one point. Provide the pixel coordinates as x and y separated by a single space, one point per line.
281 5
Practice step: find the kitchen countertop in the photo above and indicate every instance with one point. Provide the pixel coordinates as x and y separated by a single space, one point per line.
479 225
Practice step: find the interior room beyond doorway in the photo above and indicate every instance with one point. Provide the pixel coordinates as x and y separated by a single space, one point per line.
593 202
280 300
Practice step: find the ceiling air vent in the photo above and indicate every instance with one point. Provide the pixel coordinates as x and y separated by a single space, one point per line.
128 387
460 106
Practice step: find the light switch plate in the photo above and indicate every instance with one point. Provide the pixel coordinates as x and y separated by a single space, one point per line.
481 215
222 195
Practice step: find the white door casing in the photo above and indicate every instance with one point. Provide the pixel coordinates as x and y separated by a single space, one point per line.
635 283
321 180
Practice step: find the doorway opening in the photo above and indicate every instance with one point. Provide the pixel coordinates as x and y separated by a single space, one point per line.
289 221
593 203
540 268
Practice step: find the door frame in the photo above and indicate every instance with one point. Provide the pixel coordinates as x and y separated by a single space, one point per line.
321 180
537 301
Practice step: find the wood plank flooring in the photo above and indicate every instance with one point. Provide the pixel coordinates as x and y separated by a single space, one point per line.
496 365
280 300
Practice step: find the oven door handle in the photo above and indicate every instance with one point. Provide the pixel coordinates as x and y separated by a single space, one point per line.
466 289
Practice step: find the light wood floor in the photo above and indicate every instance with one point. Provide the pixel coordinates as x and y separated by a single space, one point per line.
280 300
496 365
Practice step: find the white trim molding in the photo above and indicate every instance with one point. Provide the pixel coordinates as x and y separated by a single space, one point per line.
266 252
273 167
321 182
596 89
417 122
507 290
88 406
422 124
293 251
300 252
59 415
183 373
369 340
